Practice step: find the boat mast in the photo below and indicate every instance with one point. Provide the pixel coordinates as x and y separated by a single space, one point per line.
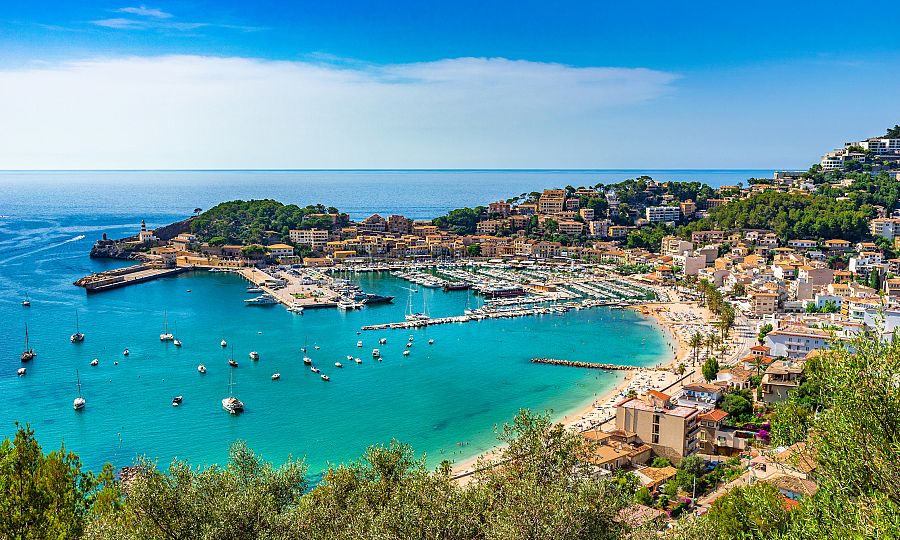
78 382
26 337
77 331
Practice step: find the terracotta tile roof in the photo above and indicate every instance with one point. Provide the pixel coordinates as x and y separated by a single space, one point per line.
715 415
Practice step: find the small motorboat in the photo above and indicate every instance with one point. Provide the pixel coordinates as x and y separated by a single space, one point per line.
431 342
95 362
176 401
359 343
315 369
125 352
338 364
357 360
201 368
382 341
26 303
408 345
349 357
176 342
410 337
325 378
223 343
254 355
358 332
376 353
276 376
21 371
232 362
116 363
406 352
316 347
307 360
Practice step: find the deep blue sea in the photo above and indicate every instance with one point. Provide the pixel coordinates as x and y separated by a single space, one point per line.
444 399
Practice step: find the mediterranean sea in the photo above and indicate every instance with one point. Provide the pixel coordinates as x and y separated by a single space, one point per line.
444 399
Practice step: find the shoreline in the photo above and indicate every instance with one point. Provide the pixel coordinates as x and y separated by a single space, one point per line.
590 415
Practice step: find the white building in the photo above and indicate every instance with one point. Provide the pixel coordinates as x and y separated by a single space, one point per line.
310 237
885 227
662 214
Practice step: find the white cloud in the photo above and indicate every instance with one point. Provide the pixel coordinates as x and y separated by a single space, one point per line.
210 112
119 23
144 11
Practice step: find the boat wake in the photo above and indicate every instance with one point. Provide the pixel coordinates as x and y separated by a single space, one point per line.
44 248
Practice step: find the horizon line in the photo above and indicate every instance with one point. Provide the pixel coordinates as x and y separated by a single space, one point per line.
551 169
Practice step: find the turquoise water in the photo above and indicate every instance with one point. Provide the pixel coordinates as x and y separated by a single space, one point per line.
444 399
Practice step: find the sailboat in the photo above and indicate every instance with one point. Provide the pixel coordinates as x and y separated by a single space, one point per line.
410 316
28 354
175 341
166 336
77 337
231 361
79 402
26 302
232 404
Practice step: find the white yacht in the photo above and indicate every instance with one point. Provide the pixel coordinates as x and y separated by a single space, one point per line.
357 360
307 360
95 362
79 401
338 364
77 337
252 289
276 376
21 371
382 341
359 343
431 342
349 357
314 369
406 352
201 368
125 352
232 404
376 353
223 343
254 355
176 342
176 401
261 300
325 378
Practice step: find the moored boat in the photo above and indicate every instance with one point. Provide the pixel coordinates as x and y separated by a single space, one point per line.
201 368
232 404
28 354
77 337
254 355
79 401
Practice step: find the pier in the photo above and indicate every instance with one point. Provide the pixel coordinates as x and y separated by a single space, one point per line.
588 365
120 277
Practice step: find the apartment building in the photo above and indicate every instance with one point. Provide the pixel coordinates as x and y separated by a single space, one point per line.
762 302
795 342
669 429
501 208
309 237
885 227
662 214
552 201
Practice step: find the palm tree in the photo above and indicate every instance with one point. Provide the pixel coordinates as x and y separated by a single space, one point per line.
696 342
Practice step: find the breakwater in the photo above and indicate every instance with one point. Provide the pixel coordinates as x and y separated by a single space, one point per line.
587 365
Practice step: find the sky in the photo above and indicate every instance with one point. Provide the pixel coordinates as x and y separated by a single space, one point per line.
191 84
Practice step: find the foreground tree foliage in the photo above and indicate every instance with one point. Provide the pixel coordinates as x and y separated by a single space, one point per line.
538 486
48 495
